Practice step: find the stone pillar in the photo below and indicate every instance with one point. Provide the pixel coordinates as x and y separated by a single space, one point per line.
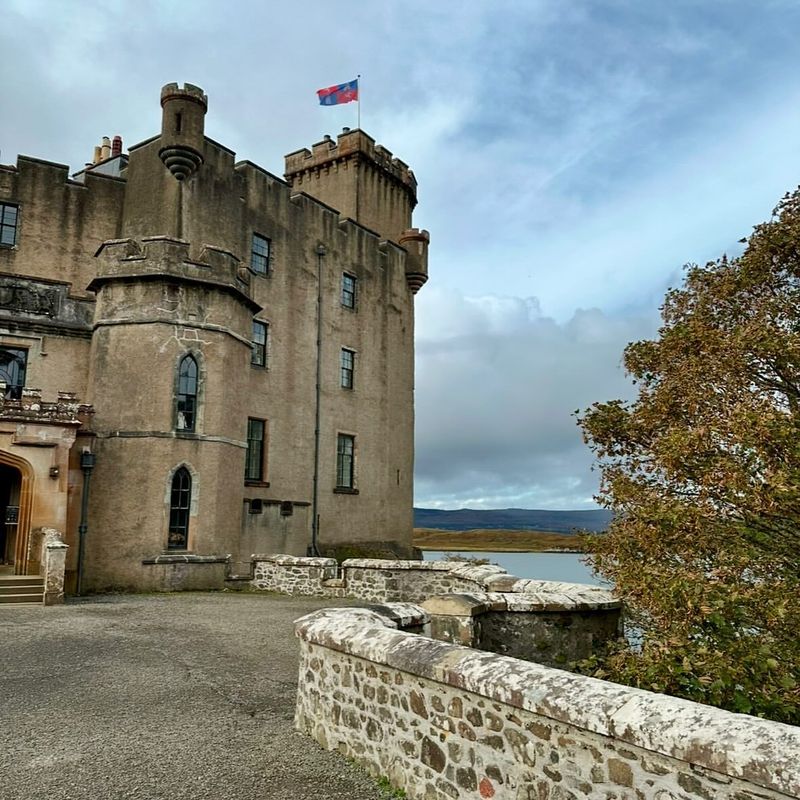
54 559
453 618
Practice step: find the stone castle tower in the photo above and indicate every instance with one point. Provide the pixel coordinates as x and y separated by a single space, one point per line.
245 345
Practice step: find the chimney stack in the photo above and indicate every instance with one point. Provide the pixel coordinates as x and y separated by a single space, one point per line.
105 149
116 146
96 156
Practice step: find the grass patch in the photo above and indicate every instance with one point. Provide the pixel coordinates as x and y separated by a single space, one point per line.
497 541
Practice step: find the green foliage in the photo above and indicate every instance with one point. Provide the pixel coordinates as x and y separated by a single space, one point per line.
389 792
702 472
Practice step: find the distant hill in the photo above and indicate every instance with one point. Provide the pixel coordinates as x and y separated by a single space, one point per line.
512 519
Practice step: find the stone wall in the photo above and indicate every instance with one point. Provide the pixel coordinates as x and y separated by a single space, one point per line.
295 575
479 606
444 721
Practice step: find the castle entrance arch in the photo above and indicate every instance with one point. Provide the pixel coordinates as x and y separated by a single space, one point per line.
16 502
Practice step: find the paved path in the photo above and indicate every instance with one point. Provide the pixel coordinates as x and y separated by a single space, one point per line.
160 696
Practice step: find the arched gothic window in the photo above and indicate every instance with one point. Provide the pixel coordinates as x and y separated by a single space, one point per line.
179 504
187 394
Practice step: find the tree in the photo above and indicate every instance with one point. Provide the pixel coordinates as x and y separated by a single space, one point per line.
702 472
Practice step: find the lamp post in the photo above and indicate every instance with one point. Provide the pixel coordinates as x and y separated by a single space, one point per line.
87 465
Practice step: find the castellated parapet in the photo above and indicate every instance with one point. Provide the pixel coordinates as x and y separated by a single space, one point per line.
363 180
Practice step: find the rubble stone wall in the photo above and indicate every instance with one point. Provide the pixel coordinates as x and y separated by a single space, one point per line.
295 575
443 721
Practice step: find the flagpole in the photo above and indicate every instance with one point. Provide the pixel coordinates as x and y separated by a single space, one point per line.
358 78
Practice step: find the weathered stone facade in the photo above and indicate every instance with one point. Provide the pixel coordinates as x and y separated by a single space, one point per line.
111 279
443 721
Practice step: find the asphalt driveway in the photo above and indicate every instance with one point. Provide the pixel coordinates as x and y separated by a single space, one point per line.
160 696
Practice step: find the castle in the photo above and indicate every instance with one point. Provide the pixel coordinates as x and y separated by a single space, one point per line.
202 360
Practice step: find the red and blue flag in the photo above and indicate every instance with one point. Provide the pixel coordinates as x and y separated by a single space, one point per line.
341 93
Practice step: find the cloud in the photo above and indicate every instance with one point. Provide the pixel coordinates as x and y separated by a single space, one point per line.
496 384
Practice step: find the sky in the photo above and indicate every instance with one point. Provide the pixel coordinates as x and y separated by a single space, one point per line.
571 158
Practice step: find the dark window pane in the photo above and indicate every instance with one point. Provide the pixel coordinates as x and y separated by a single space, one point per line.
187 394
258 356
347 367
259 254
348 291
345 446
254 460
8 224
12 371
179 507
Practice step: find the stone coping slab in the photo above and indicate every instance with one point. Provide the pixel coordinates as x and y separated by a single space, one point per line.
504 592
396 564
185 558
283 560
760 751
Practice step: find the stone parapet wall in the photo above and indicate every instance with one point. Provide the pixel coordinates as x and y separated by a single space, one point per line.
389 580
479 606
296 575
445 721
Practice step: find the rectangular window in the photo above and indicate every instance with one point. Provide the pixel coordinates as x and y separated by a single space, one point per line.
345 462
259 254
347 364
254 462
258 357
348 290
8 224
13 363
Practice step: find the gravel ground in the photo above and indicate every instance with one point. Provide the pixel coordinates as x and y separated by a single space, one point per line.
166 696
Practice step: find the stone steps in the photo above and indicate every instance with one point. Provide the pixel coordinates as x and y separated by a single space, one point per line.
21 589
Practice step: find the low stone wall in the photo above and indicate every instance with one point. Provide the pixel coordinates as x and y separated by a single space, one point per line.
173 572
296 575
445 721
478 606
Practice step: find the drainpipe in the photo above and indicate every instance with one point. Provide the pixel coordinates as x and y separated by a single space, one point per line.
87 465
314 548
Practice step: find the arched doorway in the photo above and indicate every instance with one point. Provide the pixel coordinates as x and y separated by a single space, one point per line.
16 499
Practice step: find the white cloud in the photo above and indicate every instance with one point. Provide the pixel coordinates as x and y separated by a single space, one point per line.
497 383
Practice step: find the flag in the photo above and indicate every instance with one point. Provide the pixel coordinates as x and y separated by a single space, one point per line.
341 93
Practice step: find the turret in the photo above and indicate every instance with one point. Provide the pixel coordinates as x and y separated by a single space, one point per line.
182 124
416 244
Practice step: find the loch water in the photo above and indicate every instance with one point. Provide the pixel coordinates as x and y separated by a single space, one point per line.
569 567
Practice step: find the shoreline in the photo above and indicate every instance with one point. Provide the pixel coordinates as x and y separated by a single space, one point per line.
497 541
